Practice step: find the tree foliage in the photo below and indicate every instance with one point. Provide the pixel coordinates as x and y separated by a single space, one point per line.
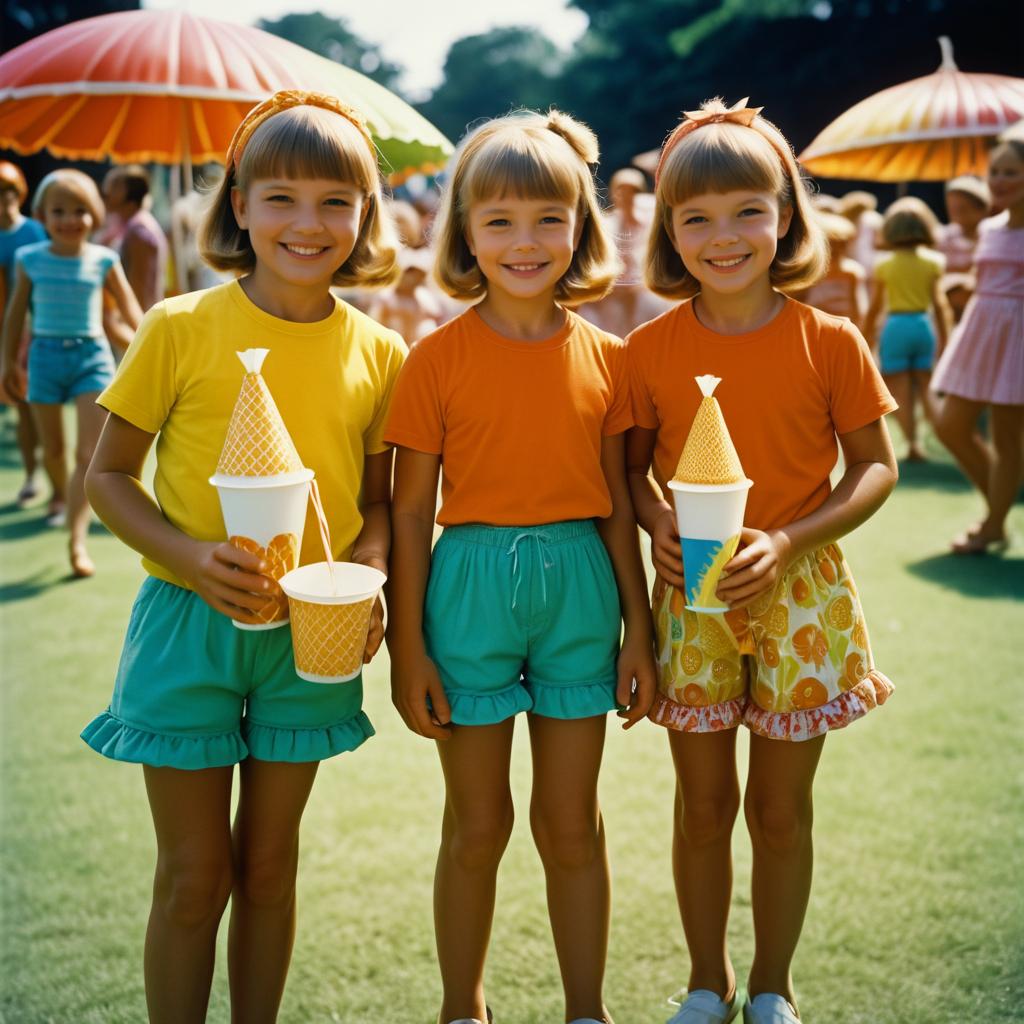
332 38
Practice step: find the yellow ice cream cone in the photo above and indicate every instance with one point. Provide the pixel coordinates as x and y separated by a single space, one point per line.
709 456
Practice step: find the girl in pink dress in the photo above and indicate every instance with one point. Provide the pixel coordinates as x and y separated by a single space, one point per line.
984 362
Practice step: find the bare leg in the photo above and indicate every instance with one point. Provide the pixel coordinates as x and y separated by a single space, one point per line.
191 814
902 389
271 800
956 425
28 441
475 829
707 802
50 426
569 834
922 385
1005 476
91 418
779 813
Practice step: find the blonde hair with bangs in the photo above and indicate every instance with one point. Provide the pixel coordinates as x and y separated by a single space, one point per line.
535 156
305 142
727 157
80 185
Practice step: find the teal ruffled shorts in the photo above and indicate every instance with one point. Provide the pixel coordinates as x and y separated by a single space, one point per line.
192 691
523 619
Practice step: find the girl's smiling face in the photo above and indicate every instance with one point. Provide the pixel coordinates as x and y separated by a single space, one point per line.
728 240
68 219
523 246
301 229
1006 177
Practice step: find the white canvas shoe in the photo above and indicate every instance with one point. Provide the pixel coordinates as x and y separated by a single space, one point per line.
769 1008
701 1006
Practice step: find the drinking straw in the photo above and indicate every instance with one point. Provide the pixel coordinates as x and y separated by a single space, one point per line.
325 532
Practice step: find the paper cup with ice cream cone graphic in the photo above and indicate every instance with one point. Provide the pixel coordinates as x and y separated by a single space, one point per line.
262 484
709 491
330 617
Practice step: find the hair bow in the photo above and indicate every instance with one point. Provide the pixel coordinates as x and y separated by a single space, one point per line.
738 113
285 100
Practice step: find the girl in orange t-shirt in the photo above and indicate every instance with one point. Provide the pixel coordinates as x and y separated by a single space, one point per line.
790 658
523 406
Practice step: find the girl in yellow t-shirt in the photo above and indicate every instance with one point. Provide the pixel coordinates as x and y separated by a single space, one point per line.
522 406
298 211
907 284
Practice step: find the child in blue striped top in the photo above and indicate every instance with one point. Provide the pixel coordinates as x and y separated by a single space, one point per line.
64 280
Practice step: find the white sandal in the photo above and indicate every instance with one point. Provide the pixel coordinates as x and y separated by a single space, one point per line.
702 1006
770 1008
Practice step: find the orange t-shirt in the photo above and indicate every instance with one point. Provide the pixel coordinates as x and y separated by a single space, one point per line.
518 424
787 390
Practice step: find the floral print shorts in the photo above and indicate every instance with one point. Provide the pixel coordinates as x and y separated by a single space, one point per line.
790 666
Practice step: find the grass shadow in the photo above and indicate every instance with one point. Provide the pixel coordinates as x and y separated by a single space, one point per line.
32 586
974 575
940 476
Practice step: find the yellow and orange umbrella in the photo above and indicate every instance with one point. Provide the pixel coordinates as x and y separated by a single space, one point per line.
164 86
929 129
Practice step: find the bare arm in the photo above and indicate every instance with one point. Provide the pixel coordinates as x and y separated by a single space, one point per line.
870 476
875 308
618 532
654 514
124 298
14 323
224 576
943 316
373 545
414 677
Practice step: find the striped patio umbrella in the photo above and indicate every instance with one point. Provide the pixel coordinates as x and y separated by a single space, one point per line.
165 86
929 129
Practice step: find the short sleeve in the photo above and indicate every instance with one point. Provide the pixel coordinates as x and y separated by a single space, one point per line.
144 389
857 394
619 416
416 419
390 357
644 412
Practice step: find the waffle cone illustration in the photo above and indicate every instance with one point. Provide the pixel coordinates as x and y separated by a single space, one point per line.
262 484
330 608
709 491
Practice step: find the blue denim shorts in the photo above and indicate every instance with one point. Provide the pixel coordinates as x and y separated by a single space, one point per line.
907 343
192 691
60 369
523 618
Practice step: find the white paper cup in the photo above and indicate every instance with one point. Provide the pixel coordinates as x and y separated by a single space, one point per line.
266 516
709 518
329 628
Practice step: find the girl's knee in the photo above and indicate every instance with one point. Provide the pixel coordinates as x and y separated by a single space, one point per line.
778 825
192 891
567 841
476 842
706 820
266 877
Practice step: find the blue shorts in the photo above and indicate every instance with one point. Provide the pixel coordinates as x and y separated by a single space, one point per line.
60 369
192 691
523 618
907 343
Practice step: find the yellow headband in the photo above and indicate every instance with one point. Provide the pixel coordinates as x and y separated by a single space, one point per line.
285 100
738 113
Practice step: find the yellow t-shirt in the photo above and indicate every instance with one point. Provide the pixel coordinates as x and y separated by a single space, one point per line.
332 381
908 276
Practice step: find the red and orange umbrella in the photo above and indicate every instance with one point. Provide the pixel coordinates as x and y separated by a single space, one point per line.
929 129
163 86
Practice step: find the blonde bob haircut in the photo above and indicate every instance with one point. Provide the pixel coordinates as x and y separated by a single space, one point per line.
729 157
78 184
533 156
305 142
909 222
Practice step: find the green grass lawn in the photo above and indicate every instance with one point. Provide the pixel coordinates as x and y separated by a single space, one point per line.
917 914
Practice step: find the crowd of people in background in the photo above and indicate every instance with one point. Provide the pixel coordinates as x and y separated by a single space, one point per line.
902 277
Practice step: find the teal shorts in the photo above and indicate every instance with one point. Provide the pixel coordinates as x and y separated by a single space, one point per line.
523 619
907 343
192 691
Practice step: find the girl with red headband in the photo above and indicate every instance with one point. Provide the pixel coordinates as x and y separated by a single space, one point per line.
299 210
790 657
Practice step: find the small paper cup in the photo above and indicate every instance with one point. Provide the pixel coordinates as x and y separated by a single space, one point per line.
709 518
266 516
329 628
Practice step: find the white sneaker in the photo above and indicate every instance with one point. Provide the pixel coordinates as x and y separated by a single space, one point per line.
769 1008
701 1006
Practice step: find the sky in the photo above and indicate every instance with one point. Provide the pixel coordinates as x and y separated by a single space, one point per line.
413 33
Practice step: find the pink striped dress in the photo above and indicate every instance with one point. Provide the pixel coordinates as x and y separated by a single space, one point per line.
984 360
